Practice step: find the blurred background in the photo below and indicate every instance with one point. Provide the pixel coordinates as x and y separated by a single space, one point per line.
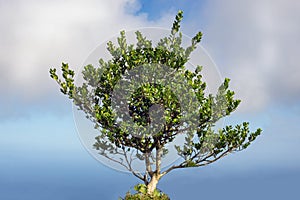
254 43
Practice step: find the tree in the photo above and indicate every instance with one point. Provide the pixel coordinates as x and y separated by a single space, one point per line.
144 97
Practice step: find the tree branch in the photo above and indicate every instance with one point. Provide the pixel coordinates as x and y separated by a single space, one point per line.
148 167
137 174
199 162
158 158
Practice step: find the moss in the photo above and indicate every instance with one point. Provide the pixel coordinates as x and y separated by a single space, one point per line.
140 196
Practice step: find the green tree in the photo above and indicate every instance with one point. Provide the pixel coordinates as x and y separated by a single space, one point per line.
144 97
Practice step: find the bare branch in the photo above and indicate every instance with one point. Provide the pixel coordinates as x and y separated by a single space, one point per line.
198 163
129 163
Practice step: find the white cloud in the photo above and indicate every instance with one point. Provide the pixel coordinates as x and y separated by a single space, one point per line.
36 35
256 44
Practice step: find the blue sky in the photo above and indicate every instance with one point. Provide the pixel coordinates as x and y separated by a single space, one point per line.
255 43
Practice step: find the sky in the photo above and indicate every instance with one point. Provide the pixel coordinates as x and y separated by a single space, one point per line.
254 43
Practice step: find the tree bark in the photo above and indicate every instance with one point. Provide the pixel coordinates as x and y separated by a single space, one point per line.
157 174
149 171
153 183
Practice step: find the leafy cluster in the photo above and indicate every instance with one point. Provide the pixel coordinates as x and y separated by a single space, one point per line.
141 194
94 96
209 145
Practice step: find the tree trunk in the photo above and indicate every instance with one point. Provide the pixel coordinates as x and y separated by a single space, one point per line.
156 175
152 184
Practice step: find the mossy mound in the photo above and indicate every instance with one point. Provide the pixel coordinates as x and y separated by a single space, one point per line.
140 196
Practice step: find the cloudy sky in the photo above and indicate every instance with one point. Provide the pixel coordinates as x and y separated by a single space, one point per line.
253 42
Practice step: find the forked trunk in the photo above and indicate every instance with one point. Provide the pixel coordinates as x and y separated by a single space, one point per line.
152 184
156 175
